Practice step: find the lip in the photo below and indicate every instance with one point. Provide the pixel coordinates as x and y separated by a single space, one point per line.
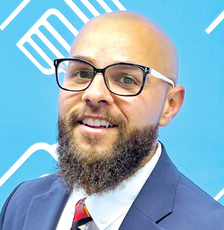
88 130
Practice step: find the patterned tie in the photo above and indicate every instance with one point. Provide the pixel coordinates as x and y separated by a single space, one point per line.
81 216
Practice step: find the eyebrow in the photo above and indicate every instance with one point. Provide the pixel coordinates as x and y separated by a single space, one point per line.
89 59
125 66
84 58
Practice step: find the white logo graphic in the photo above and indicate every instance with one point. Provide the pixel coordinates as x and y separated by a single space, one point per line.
51 149
35 30
219 195
215 23
14 14
44 22
91 8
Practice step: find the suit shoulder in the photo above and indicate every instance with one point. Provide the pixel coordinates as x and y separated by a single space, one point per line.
193 208
187 187
45 181
38 186
196 203
25 191
27 194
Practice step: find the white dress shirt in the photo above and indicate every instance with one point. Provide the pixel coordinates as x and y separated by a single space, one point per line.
109 209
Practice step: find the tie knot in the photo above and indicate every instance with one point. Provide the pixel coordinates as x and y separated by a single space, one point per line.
81 215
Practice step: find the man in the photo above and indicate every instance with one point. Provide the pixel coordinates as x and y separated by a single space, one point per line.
117 88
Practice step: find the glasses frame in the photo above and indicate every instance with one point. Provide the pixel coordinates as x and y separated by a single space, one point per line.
145 70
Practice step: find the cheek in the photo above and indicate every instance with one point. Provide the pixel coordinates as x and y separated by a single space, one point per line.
142 111
66 102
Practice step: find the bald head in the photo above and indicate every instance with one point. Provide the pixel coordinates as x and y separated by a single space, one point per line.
128 36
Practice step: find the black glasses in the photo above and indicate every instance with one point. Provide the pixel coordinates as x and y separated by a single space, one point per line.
122 79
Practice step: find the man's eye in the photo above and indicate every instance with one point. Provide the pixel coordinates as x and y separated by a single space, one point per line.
83 74
127 80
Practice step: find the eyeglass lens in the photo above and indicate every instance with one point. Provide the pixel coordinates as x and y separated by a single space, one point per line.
123 79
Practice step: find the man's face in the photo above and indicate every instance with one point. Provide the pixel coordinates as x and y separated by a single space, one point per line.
96 107
105 138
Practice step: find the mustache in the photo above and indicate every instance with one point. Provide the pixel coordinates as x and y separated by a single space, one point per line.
103 112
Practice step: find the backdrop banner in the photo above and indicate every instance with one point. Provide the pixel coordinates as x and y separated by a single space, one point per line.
33 33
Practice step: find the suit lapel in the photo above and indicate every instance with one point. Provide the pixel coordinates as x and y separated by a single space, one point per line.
155 200
45 209
136 220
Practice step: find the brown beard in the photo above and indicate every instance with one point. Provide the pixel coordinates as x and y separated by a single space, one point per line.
98 173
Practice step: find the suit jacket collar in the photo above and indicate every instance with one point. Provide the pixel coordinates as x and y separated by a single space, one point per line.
155 200
51 203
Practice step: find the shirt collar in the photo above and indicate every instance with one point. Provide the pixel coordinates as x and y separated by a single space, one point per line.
106 208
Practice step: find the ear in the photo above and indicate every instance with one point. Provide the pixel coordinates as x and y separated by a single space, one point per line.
172 104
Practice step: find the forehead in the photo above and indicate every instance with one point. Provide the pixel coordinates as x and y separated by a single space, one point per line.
106 40
118 40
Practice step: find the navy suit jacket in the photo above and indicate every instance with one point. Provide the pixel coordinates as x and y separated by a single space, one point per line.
167 201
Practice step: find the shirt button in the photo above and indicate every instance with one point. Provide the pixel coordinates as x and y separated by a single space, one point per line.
103 219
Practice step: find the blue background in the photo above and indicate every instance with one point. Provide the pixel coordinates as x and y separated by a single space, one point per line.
28 97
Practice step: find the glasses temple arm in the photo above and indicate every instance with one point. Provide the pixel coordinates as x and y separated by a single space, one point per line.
160 76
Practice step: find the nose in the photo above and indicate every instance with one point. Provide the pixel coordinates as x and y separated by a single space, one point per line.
97 93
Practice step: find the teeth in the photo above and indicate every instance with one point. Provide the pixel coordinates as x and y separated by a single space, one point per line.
90 122
108 124
103 123
85 121
96 122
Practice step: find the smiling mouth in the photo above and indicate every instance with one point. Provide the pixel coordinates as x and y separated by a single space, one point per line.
96 123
